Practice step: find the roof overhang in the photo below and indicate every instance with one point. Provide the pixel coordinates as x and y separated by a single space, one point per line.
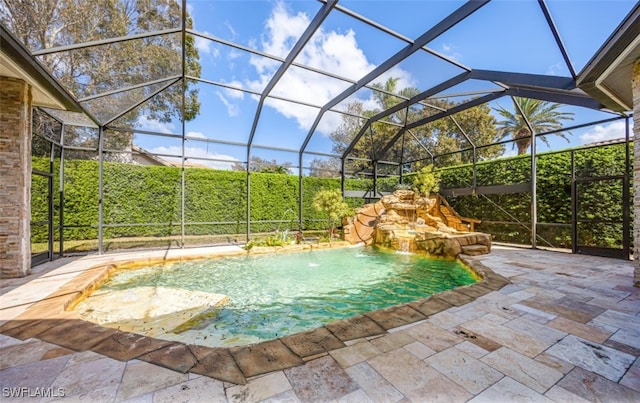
607 77
17 62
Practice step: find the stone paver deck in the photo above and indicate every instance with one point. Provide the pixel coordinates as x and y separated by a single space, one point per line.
566 328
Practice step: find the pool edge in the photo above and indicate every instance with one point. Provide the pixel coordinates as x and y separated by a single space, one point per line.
50 319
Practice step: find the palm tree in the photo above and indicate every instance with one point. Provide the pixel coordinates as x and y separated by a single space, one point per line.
542 116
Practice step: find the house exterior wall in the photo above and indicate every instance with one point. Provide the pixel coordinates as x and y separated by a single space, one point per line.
144 160
15 177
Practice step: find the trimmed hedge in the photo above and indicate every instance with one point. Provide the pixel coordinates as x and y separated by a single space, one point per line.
136 195
598 200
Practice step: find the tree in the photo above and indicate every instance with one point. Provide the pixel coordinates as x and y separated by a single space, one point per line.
378 133
329 168
94 70
261 165
453 133
330 203
542 116
438 137
348 127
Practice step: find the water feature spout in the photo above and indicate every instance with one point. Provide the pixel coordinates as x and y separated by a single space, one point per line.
404 245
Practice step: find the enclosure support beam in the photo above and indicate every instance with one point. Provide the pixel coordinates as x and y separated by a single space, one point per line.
423 95
375 178
300 192
342 175
558 96
432 118
182 183
61 192
173 79
50 202
183 39
534 193
401 165
423 147
297 48
475 153
556 35
534 202
626 213
443 26
295 51
102 42
140 102
574 205
100 187
248 211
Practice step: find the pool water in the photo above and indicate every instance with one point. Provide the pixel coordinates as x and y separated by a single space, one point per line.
276 295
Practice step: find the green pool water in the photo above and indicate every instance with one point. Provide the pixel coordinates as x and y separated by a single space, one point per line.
275 295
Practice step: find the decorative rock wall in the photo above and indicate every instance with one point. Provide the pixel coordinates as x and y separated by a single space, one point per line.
15 177
636 172
406 222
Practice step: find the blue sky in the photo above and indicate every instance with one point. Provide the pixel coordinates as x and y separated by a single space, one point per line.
503 35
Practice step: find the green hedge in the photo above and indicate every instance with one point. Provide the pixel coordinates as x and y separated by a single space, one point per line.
136 194
597 200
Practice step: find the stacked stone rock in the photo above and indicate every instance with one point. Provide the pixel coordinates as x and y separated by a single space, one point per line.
409 222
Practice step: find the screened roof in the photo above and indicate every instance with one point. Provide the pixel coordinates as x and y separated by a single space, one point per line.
277 78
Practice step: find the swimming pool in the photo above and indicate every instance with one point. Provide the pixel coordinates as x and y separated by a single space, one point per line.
274 295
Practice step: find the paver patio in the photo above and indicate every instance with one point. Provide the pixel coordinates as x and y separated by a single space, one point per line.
566 328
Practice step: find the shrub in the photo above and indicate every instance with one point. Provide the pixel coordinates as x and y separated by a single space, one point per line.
426 181
330 203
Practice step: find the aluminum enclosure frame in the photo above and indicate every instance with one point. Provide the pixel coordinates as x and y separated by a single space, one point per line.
542 87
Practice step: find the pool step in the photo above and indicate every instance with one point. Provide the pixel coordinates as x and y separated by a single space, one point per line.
474 250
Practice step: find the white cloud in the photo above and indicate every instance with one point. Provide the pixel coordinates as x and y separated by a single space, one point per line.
327 50
144 123
230 28
206 46
202 44
232 109
557 69
234 54
599 133
282 30
234 93
404 78
195 152
449 51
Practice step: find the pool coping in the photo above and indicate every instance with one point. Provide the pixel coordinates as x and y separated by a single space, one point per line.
52 320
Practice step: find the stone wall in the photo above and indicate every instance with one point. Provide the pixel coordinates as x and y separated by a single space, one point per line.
15 177
636 173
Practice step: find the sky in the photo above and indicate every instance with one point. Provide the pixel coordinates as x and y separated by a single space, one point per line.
503 35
